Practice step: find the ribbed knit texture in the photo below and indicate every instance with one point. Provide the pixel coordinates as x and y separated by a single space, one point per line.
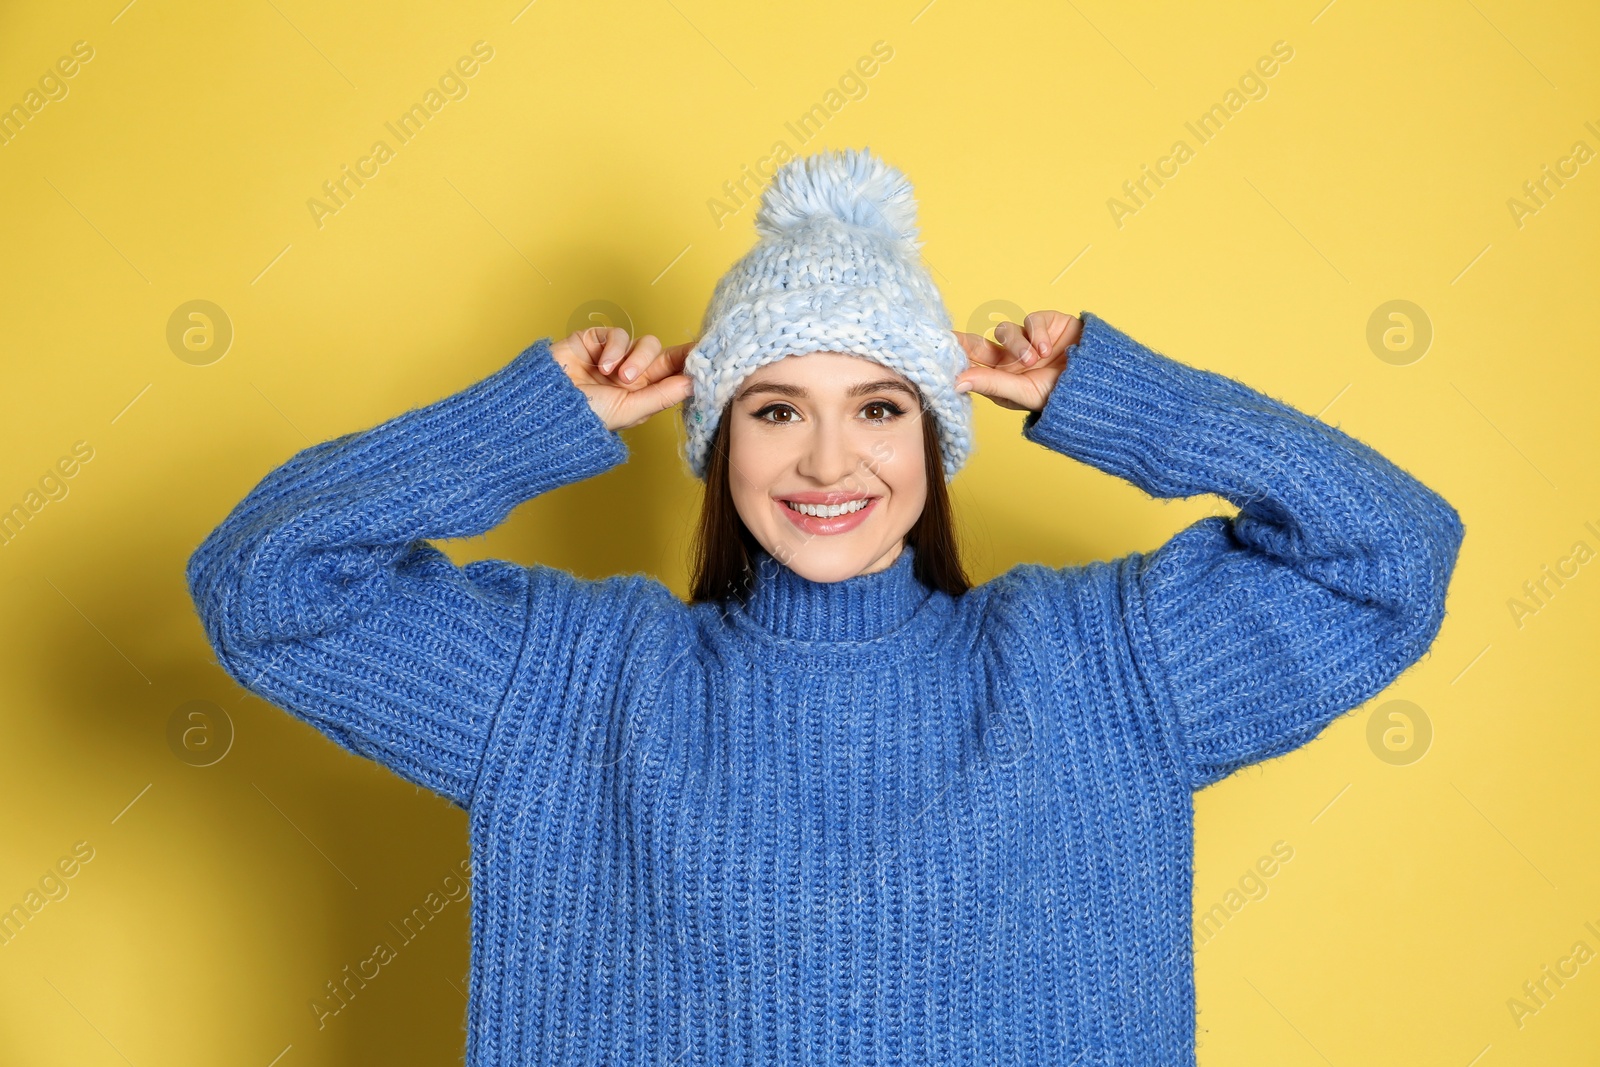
857 823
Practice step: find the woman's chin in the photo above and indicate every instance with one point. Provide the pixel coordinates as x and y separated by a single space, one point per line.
830 559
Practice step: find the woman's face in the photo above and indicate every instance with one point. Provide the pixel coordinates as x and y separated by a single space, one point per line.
822 430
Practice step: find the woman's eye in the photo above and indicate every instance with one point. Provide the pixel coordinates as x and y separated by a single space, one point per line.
772 408
876 411
882 405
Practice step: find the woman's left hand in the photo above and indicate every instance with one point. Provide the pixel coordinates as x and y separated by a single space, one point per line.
1020 371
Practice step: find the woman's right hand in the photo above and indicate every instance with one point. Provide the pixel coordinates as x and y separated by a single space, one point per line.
625 383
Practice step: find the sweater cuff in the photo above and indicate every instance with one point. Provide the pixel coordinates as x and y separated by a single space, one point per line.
524 429
1118 406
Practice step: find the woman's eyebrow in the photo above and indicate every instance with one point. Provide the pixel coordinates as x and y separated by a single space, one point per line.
879 385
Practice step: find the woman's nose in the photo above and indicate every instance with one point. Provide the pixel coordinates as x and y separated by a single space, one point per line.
830 457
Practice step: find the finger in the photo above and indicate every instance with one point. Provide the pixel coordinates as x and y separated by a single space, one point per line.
637 406
1037 327
666 363
1010 335
677 355
981 350
669 362
1052 332
616 346
645 351
1000 385
592 342
577 353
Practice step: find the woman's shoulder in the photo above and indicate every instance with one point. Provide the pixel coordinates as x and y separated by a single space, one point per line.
631 604
1039 589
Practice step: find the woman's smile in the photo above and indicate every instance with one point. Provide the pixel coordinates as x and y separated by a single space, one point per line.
838 515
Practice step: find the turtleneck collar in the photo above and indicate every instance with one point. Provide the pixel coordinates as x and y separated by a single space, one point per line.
859 608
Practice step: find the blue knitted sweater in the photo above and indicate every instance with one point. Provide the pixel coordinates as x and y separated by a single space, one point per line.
852 823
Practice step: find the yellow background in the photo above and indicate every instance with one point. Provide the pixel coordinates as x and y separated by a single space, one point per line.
1421 894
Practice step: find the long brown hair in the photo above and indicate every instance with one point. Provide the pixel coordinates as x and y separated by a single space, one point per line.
723 550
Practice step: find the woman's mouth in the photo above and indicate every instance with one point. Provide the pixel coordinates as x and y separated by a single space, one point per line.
832 518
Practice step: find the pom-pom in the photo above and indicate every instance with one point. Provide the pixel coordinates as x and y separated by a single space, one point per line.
852 185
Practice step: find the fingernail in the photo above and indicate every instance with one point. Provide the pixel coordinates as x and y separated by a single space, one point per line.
630 374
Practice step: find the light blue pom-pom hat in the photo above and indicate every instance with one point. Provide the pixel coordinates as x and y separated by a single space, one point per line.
837 268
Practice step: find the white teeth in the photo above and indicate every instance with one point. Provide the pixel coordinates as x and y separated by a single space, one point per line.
828 511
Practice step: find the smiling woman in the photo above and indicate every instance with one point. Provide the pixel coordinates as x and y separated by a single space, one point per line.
825 378
844 808
814 447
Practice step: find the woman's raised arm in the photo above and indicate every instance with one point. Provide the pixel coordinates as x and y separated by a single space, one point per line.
1263 627
319 592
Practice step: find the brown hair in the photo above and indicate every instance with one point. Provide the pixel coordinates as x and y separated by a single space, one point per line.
723 550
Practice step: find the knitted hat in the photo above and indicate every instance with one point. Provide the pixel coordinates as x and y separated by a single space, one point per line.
837 268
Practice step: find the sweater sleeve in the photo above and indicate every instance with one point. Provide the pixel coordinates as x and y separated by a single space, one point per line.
319 592
1261 628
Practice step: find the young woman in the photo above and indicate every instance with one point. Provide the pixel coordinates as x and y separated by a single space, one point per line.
843 806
